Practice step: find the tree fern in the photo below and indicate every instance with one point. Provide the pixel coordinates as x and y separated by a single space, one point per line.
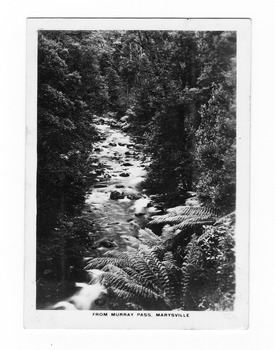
183 216
189 266
135 275
215 275
123 296
131 241
132 291
141 265
115 270
161 273
148 237
139 273
169 260
99 263
156 275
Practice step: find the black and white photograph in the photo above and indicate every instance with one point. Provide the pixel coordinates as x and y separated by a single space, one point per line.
138 173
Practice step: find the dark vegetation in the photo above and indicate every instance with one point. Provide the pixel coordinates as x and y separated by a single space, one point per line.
177 90
170 272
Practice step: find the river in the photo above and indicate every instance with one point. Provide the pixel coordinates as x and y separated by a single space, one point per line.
116 204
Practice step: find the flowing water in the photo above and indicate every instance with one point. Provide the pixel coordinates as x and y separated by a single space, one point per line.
116 205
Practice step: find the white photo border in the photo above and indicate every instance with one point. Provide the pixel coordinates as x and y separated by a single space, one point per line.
237 319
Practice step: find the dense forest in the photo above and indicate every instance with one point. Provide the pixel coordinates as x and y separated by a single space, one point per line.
174 94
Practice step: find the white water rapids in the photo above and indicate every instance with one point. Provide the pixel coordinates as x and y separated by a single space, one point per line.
118 167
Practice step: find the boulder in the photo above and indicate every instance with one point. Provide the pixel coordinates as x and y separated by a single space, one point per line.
119 186
124 174
140 206
133 196
127 164
139 214
128 153
116 195
99 185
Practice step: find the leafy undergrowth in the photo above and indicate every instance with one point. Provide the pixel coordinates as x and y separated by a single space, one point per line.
155 274
60 258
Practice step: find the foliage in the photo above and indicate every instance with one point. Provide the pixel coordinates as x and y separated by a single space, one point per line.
70 90
178 90
65 132
184 216
138 276
59 257
216 151
180 87
218 244
153 278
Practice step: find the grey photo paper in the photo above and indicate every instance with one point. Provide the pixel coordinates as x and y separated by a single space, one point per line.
137 173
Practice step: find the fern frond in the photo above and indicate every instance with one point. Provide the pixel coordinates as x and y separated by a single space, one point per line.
138 278
116 254
168 258
118 282
175 275
185 215
124 295
168 233
156 267
164 274
115 269
228 219
189 265
99 263
131 241
159 251
192 222
137 263
148 237
190 210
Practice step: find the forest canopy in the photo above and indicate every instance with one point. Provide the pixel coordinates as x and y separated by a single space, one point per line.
177 90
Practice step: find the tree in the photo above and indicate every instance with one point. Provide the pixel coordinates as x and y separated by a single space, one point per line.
215 138
70 91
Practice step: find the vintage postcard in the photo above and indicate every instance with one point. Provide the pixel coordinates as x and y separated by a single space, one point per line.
137 173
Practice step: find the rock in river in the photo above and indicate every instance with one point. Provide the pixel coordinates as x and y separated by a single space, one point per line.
116 195
100 185
134 196
124 174
127 153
